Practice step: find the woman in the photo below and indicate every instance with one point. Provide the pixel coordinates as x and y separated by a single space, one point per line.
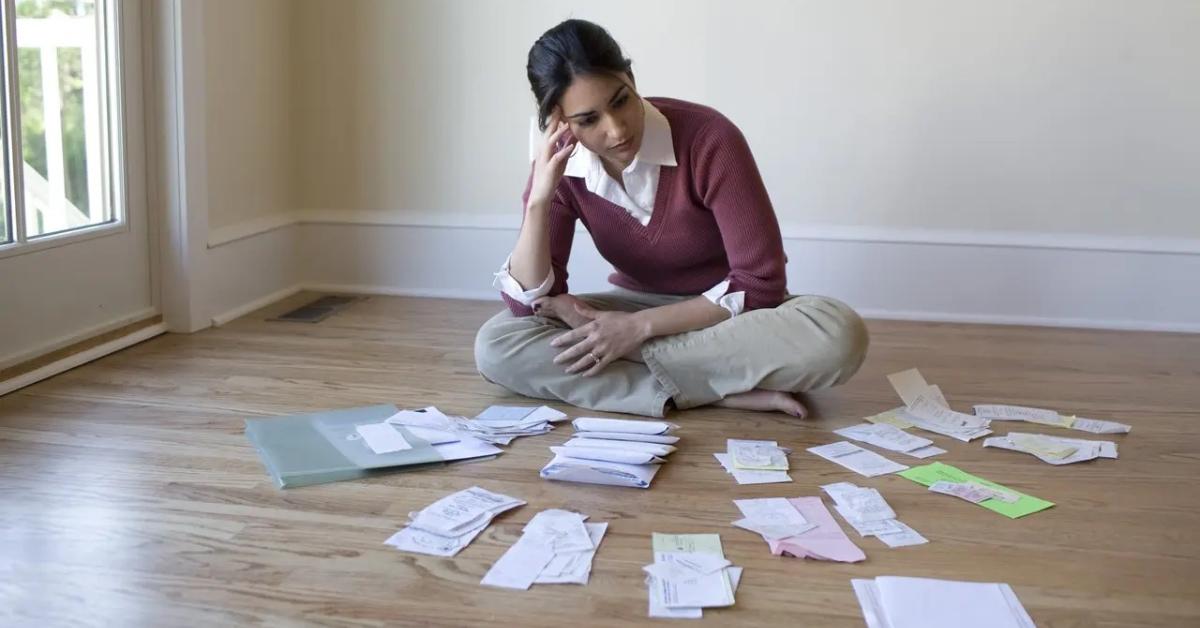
673 200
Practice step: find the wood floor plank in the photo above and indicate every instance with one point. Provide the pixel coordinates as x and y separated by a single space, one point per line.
130 496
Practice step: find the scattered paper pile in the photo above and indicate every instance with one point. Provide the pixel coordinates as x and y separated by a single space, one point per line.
800 527
689 573
892 438
556 547
926 408
446 526
1054 449
895 602
755 461
501 424
861 461
617 452
930 474
869 514
1050 417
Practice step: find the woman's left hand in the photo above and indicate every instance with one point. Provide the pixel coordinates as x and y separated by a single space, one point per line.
595 345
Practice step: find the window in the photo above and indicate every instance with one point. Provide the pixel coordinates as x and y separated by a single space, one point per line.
58 118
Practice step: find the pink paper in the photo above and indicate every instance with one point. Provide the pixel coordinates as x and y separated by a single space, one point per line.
827 541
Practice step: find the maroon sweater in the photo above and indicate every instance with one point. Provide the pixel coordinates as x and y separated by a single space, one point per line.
712 220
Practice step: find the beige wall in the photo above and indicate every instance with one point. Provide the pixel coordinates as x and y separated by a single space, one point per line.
249 117
1074 116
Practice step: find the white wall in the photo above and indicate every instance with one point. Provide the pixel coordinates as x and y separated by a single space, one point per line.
1073 116
1019 161
248 69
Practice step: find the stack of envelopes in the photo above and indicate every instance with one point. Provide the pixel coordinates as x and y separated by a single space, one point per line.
616 452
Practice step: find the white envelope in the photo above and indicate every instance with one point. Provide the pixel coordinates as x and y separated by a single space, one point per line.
666 439
657 449
606 454
566 469
588 424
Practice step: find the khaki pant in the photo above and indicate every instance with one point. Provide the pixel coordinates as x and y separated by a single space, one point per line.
808 342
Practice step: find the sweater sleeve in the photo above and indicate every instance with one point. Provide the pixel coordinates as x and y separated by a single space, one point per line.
562 234
732 188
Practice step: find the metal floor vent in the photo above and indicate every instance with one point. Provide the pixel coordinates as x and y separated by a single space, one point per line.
316 311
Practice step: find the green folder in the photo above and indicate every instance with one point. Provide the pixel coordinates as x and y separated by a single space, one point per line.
931 473
307 449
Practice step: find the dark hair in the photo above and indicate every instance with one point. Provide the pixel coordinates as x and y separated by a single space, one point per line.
573 48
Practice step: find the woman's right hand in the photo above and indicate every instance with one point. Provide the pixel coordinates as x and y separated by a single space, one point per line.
550 162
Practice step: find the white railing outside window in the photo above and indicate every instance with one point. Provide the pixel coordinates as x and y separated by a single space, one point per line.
59 123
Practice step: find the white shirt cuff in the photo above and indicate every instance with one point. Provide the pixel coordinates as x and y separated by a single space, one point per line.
505 283
735 302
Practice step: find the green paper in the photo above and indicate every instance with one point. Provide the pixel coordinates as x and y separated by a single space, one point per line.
688 543
930 473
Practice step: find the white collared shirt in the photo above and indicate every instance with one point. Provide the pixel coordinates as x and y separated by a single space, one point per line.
636 197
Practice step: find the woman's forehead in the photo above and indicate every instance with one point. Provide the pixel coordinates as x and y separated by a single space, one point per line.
590 92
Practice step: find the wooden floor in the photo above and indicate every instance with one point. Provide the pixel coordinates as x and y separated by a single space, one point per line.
129 495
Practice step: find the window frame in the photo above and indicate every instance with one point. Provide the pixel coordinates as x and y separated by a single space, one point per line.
111 54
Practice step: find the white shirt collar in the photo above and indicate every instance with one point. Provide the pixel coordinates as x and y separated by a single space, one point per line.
639 178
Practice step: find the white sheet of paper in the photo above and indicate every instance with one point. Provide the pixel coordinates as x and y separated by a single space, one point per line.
657 449
573 567
696 590
545 413
905 537
625 426
520 565
770 511
756 455
926 452
857 459
433 436
1097 426
411 539
868 528
666 439
774 532
607 454
562 530
884 436
744 476
382 438
504 414
1000 412
868 600
928 603
466 448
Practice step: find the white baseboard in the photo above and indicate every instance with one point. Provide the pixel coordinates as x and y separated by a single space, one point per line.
83 357
83 334
1132 284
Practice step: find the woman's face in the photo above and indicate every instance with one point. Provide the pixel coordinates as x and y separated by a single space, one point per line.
605 114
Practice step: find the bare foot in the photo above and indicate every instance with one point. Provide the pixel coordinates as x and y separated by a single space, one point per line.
765 401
